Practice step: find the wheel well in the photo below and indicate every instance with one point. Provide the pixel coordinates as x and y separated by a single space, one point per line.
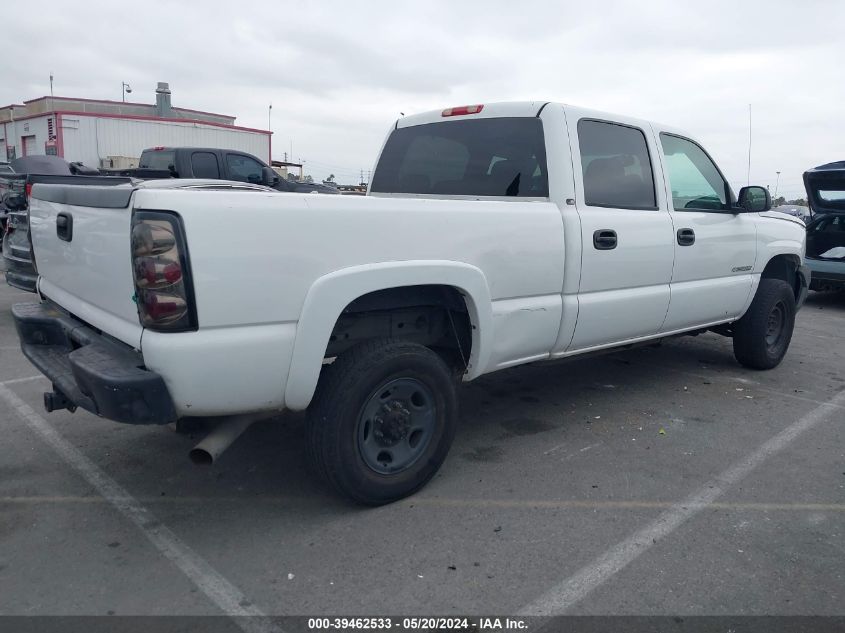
432 315
784 267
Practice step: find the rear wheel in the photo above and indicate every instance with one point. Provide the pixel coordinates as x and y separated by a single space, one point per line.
382 420
761 337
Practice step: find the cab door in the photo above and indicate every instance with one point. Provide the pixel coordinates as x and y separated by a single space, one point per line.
715 246
626 232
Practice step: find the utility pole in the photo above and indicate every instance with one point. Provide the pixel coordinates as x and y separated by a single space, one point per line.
777 182
269 118
51 86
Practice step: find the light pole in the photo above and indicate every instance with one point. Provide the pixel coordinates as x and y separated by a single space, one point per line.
270 127
777 182
125 89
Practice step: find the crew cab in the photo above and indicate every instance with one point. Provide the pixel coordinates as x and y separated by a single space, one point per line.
224 164
492 236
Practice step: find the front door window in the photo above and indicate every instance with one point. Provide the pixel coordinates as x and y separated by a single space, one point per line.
695 181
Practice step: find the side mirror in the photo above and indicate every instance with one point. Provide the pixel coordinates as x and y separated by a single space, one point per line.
269 177
754 199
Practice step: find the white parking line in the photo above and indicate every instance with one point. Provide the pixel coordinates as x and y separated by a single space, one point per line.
563 596
220 591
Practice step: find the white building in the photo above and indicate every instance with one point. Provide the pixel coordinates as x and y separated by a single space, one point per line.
109 134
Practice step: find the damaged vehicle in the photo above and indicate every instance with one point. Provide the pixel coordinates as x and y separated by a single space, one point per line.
492 235
825 256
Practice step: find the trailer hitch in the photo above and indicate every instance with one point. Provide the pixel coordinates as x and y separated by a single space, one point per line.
56 401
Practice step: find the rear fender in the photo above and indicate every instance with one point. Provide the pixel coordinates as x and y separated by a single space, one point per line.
330 294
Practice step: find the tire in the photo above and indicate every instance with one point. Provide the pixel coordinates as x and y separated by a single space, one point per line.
761 337
382 420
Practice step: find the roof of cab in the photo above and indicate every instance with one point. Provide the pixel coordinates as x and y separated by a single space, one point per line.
526 109
488 111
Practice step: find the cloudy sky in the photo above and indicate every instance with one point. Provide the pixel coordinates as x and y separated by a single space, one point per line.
339 73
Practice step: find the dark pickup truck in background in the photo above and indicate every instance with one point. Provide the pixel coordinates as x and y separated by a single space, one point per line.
15 189
222 164
155 163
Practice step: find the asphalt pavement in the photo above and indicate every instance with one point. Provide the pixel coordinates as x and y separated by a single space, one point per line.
657 481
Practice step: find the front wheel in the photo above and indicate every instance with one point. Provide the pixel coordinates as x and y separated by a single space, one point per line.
761 337
382 420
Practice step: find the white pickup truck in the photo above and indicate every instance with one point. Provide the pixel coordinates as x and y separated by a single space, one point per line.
492 235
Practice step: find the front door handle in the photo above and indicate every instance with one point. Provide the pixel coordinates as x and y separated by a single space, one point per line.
64 226
605 239
686 237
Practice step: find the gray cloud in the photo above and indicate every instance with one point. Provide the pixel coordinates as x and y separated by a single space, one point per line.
339 73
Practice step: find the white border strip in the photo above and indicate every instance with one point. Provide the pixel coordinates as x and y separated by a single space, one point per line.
220 591
563 596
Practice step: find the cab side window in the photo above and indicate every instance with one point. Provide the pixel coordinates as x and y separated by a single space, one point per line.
204 165
243 168
694 178
616 166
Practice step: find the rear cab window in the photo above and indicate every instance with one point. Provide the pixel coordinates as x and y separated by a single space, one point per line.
158 159
481 157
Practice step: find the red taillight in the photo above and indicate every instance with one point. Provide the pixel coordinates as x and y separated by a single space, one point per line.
28 190
158 148
156 272
462 110
163 289
163 308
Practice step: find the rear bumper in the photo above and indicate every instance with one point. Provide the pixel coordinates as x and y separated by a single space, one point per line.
22 280
20 273
90 370
827 274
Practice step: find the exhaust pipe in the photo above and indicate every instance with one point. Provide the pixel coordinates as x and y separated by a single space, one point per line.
219 439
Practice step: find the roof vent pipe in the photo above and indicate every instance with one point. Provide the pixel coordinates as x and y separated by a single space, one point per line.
163 108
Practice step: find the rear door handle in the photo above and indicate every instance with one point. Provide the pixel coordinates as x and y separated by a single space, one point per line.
686 237
605 239
64 226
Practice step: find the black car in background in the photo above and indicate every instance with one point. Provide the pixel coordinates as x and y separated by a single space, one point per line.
826 231
15 189
220 164
155 163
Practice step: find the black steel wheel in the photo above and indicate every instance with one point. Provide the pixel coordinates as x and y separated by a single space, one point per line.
396 425
382 420
762 336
